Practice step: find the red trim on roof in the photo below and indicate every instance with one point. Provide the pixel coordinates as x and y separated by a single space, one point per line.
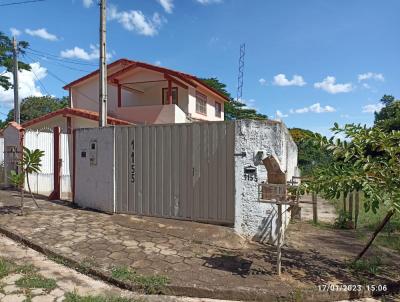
120 61
190 79
91 115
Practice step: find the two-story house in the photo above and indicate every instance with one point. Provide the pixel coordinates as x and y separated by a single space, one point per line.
138 93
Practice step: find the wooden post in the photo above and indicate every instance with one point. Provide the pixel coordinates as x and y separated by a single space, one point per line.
357 208
351 206
344 203
315 211
279 244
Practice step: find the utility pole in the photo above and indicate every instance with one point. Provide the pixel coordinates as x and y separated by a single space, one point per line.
15 75
103 67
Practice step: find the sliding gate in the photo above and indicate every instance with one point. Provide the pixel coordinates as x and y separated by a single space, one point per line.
176 171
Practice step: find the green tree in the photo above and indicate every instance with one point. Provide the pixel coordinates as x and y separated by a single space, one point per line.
310 155
6 59
33 107
31 162
367 161
388 118
234 110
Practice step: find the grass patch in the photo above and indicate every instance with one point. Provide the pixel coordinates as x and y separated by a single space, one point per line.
59 260
35 280
150 284
6 267
26 269
371 265
74 297
87 264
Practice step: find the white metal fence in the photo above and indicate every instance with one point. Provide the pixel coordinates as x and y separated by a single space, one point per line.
43 182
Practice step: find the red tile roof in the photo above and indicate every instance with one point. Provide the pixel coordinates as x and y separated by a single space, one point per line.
191 79
91 115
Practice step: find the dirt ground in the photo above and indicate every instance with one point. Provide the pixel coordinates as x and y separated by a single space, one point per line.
200 259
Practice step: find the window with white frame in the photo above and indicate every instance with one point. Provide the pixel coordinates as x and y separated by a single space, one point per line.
201 103
218 109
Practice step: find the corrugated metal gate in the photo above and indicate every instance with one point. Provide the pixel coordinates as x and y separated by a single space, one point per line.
176 171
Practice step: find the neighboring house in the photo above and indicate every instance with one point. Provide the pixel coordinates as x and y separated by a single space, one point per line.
142 93
138 93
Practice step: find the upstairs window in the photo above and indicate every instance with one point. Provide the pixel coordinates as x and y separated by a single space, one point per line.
174 96
201 103
218 109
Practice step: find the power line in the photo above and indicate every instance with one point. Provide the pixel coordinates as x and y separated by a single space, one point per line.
59 58
40 82
21 2
47 60
65 83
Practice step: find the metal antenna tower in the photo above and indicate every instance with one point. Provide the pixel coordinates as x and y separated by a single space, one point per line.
241 72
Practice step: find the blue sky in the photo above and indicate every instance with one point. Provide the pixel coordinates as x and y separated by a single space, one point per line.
310 62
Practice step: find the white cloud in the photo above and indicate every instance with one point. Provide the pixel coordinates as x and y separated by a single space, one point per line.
262 81
205 2
315 108
80 53
27 83
280 115
329 85
366 86
371 76
168 5
41 33
136 21
281 80
371 108
87 3
15 32
157 63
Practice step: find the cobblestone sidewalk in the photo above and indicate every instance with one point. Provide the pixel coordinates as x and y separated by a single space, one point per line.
66 280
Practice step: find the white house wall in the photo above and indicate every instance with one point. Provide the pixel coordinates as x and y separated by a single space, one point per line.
211 99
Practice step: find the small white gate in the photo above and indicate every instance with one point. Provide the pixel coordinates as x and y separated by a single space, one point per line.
66 149
43 182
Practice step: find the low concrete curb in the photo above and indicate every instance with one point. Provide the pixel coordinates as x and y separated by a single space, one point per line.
244 294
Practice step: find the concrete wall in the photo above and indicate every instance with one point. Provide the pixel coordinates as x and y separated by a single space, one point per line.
254 219
94 183
12 138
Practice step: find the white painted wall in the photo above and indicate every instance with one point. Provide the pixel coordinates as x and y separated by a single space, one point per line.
211 99
94 185
252 218
156 114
